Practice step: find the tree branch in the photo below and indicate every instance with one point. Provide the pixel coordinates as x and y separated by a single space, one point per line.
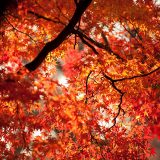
119 111
82 6
122 93
46 18
121 97
98 44
87 87
76 2
112 83
85 39
81 35
19 30
137 76
88 44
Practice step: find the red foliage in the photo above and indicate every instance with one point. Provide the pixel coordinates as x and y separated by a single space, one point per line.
109 108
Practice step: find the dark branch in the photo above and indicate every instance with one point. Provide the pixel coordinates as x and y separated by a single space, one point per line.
129 78
137 76
87 87
97 44
105 39
85 39
76 2
119 111
122 93
46 18
120 103
112 83
88 44
134 33
50 46
19 30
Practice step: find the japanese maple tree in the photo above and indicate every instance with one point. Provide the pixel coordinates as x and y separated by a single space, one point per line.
79 79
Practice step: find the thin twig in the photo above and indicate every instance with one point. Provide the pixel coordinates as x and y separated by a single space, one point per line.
19 30
87 87
119 111
136 76
46 18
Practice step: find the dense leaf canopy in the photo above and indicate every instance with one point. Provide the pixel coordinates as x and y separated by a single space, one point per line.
79 79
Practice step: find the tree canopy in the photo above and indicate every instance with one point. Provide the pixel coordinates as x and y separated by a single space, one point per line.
79 79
